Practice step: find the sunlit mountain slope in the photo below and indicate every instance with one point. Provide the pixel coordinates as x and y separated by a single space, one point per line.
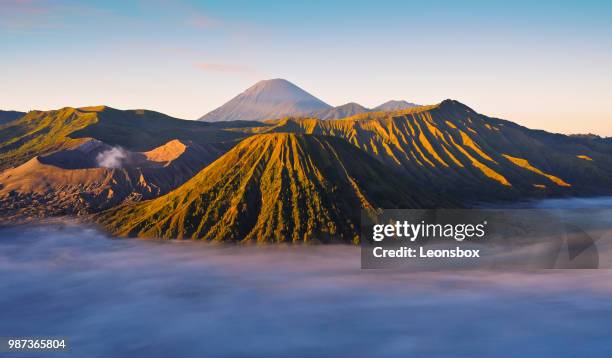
44 132
275 187
461 153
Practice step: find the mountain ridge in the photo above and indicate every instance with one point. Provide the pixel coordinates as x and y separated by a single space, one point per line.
343 111
443 150
277 98
465 154
44 132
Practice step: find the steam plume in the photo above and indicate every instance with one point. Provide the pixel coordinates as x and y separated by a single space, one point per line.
111 158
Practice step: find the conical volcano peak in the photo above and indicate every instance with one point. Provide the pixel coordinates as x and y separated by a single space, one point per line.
278 90
267 99
273 84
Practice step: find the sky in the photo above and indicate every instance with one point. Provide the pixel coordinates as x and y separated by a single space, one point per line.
544 64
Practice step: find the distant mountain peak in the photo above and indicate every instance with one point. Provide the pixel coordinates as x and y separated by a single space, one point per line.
273 82
352 104
343 111
267 99
394 105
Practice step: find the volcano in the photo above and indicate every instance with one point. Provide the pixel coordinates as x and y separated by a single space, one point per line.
267 99
275 187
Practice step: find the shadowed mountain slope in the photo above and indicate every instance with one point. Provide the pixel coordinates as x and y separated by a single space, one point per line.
95 176
271 187
465 154
268 99
7 116
44 132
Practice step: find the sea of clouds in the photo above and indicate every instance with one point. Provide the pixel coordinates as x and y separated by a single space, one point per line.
135 297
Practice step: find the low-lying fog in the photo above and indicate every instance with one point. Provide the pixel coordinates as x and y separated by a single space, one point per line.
136 297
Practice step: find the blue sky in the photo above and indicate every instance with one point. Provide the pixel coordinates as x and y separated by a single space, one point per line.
544 65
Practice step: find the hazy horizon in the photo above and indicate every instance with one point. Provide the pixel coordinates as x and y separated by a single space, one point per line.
544 66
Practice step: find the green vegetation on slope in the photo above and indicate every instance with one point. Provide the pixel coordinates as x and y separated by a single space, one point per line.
464 154
141 130
39 133
274 187
44 132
